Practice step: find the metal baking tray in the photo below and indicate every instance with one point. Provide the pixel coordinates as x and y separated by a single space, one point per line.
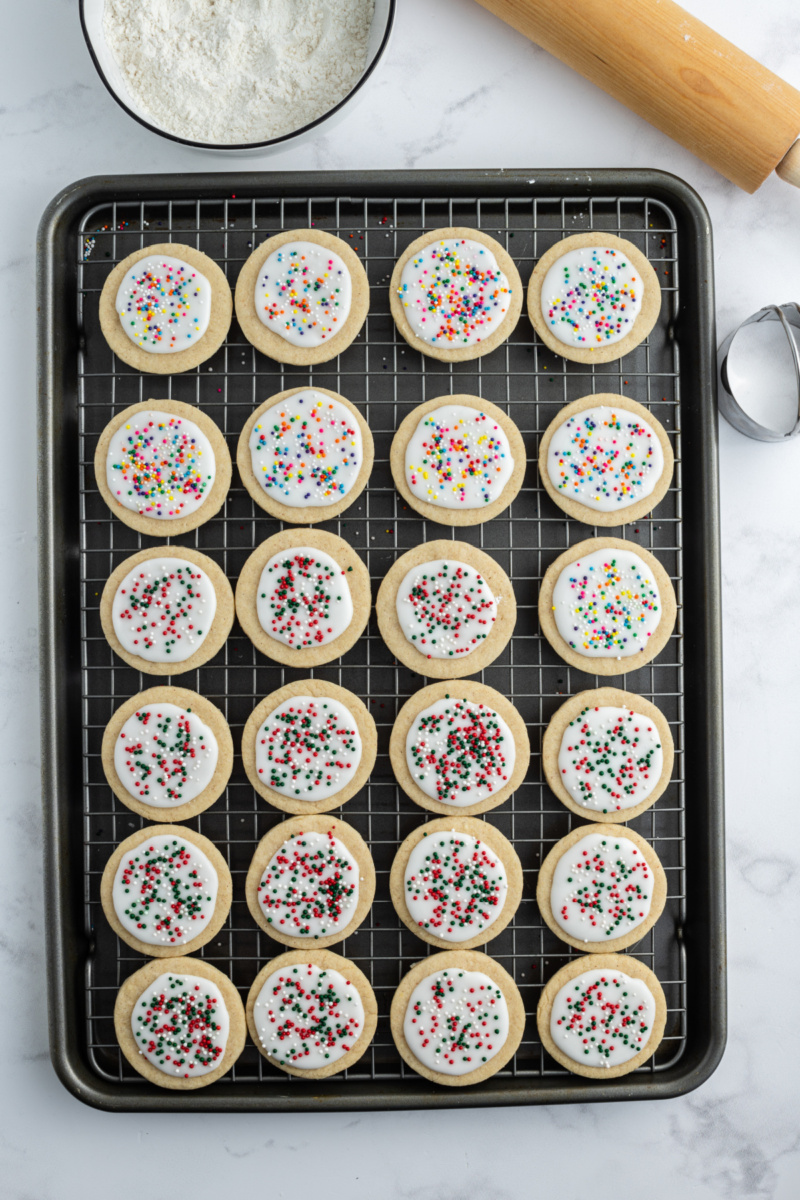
84 232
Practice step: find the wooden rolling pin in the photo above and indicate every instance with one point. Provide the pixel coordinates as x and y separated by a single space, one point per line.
678 74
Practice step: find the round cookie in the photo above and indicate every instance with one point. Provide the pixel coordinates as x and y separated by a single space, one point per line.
117 616
249 589
599 905
463 892
307 514
603 751
125 1011
273 344
456 347
491 644
630 474
326 887
494 501
364 724
645 320
599 1020
172 363
608 664
211 909
453 965
349 1008
170 754
211 503
460 693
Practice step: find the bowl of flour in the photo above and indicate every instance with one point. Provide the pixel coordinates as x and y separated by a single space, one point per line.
246 75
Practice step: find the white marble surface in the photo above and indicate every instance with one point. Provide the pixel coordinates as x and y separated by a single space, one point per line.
458 89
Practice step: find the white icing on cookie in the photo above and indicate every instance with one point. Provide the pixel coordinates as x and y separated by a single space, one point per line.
602 888
165 891
458 457
602 1018
445 609
303 598
454 886
308 748
165 756
605 458
180 1025
456 1021
460 752
308 1018
591 297
160 465
453 293
310 886
307 450
610 759
607 604
164 304
303 293
163 609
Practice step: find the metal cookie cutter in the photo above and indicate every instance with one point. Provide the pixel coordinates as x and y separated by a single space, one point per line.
732 411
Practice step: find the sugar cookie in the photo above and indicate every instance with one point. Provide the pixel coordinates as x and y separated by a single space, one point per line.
593 297
305 455
165 309
606 460
302 296
167 610
311 1013
608 753
455 294
180 1023
601 888
602 1015
166 890
459 748
457 1018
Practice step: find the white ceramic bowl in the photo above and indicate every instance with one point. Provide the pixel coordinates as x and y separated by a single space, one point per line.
91 12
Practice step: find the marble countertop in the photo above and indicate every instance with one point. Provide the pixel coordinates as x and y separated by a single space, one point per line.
458 89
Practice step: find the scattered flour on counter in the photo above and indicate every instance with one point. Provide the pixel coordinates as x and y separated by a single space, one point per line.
238 70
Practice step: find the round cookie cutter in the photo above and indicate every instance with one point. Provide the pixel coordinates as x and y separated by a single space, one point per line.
729 406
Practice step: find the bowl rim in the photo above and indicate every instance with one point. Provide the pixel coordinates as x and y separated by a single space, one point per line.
263 145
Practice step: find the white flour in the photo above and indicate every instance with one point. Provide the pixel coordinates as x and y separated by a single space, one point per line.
238 70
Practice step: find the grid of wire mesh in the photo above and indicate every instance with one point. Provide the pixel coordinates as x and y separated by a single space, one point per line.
385 379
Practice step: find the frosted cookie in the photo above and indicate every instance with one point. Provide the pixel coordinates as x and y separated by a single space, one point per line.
446 609
456 882
607 606
166 890
459 747
303 597
457 1018
180 1023
305 455
455 294
167 610
162 467
608 754
165 309
458 460
311 1013
167 754
593 297
302 297
311 882
602 1015
606 460
601 888
309 747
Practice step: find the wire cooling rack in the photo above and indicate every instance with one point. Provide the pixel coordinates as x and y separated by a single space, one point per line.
385 379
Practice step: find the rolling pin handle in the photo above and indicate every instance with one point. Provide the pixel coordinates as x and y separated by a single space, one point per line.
789 166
